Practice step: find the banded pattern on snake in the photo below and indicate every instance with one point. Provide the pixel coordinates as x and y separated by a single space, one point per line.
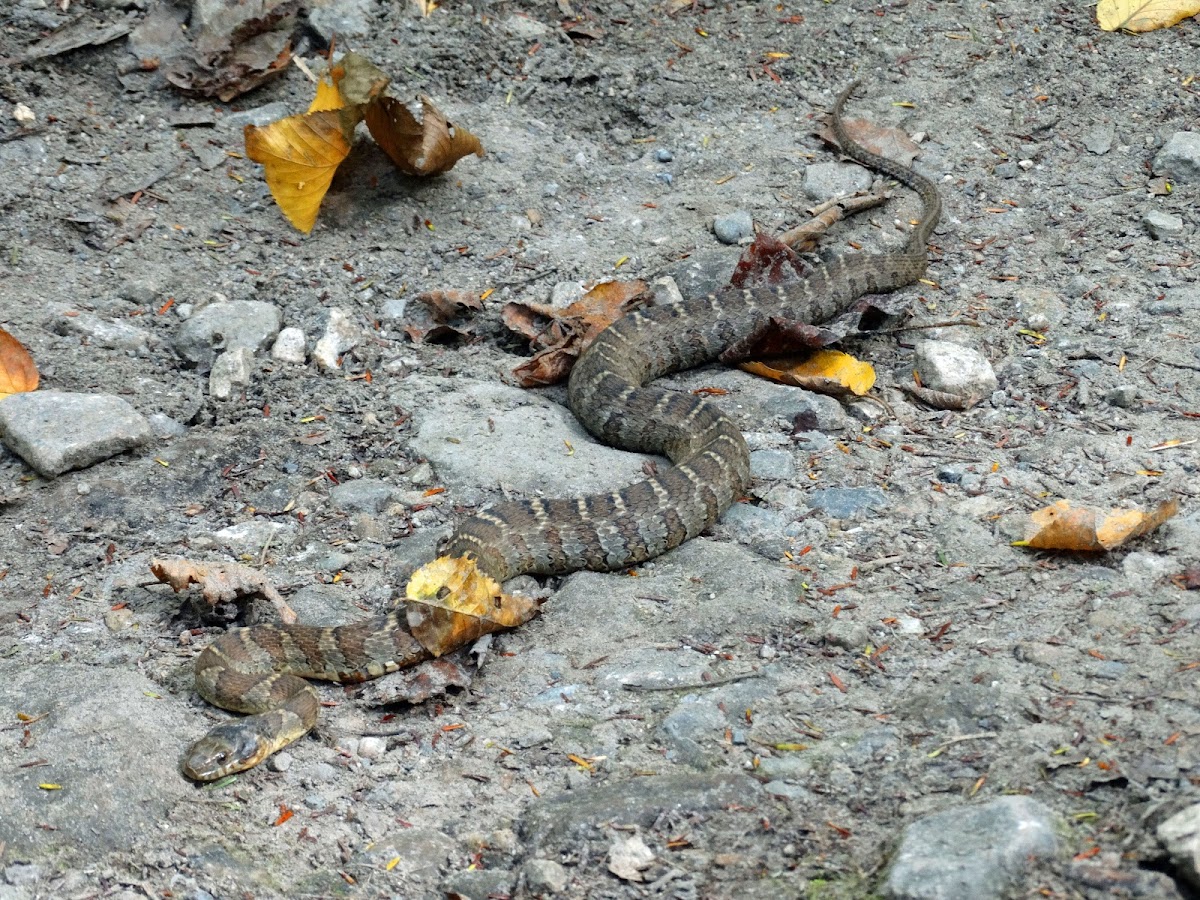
261 670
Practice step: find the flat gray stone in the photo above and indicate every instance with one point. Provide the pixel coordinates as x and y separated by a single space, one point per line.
954 369
219 327
693 730
232 369
56 431
113 751
773 465
971 851
1161 225
845 503
639 801
823 181
761 529
734 227
525 450
545 877
362 495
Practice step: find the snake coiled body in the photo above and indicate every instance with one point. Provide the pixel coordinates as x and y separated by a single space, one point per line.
260 670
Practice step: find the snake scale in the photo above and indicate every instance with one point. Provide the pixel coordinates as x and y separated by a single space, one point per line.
261 670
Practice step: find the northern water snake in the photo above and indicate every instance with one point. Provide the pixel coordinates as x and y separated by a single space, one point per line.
261 670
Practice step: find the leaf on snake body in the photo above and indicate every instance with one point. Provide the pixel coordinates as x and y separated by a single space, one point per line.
451 602
220 582
890 143
1062 526
18 373
1143 15
559 335
826 372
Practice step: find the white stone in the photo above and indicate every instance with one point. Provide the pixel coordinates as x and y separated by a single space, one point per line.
954 369
341 334
289 346
627 857
372 747
230 369
1180 834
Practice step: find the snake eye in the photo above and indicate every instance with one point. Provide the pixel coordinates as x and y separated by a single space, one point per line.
222 756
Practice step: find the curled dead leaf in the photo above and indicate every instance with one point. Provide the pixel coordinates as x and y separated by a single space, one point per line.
1062 526
18 373
825 371
891 143
451 602
424 145
220 582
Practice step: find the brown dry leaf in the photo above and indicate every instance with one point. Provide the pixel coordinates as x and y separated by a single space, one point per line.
440 316
1143 15
300 155
826 372
426 146
560 335
220 582
1066 527
891 143
18 373
451 602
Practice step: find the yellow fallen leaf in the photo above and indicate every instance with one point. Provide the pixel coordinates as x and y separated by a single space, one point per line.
1062 526
18 373
428 145
327 97
451 602
1143 15
50 786
299 155
825 371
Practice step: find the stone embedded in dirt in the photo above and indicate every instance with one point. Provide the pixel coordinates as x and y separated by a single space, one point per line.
341 334
823 181
479 884
544 877
1180 157
231 369
1180 835
693 731
1162 225
776 465
734 227
103 333
289 346
56 431
629 857
971 851
758 527
846 503
954 369
362 495
226 326
1099 138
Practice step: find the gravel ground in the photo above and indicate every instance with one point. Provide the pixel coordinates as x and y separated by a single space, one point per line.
854 686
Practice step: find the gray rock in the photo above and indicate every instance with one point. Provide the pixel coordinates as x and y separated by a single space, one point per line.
823 181
638 801
362 495
479 884
343 18
261 115
954 369
1186 298
416 852
55 431
231 369
692 732
971 851
760 529
104 333
776 465
845 503
226 326
808 411
1006 170
289 346
1180 835
341 334
663 155
734 227
523 446
1099 138
1161 225
1123 396
544 877
1180 157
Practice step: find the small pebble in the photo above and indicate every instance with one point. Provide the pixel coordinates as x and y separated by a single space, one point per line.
663 155
665 177
281 761
316 801
732 227
372 747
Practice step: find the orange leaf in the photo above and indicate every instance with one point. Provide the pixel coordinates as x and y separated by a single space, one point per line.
18 373
1064 527
825 371
428 145
300 155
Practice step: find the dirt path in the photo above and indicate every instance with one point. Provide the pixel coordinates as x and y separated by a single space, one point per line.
854 686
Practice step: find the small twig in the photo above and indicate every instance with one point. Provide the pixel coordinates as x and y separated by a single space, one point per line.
949 323
950 742
691 687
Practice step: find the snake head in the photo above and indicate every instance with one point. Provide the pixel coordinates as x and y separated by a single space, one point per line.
226 749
